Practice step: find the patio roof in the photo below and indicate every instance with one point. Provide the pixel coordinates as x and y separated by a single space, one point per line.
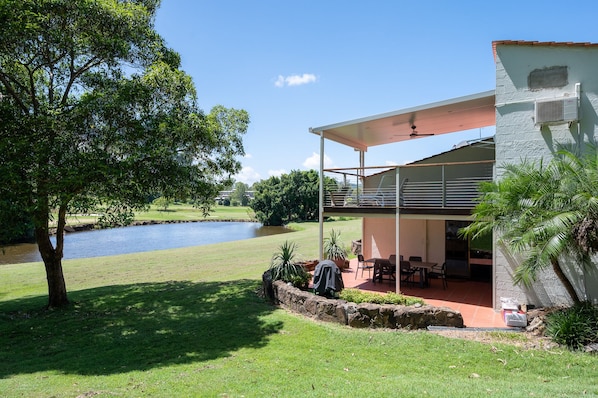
449 116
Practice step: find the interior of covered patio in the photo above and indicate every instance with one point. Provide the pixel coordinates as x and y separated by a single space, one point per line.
473 299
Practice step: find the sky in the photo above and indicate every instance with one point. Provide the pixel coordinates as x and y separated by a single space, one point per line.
293 65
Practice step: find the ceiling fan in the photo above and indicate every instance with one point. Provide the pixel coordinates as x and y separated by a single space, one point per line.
415 133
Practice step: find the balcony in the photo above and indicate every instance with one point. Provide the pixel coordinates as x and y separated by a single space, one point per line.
447 188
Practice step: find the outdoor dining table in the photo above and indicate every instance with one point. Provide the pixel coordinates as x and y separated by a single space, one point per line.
377 262
423 268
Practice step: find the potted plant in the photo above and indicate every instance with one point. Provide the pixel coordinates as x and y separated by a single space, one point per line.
335 250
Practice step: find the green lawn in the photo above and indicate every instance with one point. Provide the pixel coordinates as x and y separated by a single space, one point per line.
177 212
188 212
188 322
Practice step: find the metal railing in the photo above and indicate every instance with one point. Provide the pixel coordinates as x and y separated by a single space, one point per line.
447 185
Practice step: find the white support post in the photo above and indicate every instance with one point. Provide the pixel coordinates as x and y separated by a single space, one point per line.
397 230
321 199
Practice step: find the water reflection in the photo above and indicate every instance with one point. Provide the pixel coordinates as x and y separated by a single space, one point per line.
107 242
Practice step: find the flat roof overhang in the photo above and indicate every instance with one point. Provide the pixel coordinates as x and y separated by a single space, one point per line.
449 116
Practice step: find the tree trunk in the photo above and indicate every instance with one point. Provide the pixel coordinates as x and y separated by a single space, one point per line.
564 280
57 296
52 257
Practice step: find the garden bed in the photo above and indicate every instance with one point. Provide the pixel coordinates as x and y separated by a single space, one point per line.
365 315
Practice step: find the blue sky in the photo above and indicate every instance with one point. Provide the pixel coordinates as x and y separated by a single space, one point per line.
299 64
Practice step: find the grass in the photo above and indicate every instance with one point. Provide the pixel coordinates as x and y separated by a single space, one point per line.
188 322
177 212
183 211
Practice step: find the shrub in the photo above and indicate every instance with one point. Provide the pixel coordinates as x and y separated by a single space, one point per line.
358 296
574 327
284 267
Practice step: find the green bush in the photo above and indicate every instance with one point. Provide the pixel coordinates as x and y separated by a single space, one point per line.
358 296
574 327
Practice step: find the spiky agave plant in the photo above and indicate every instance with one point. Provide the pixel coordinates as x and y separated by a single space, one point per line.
284 266
334 246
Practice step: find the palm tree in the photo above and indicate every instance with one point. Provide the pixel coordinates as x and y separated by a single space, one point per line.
544 213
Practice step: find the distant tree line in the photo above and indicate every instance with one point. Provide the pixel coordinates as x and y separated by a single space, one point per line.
289 198
238 197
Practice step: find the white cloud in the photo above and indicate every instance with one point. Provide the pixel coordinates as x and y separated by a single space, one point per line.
279 81
277 173
295 80
248 156
247 175
313 162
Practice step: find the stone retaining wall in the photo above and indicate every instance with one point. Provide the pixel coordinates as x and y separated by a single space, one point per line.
365 315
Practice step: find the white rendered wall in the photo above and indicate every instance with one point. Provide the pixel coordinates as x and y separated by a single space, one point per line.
518 138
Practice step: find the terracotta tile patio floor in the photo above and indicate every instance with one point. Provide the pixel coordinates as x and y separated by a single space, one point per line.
472 299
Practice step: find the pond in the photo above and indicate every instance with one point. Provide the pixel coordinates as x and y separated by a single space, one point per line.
142 238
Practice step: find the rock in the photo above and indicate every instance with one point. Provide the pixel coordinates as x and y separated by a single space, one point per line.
592 348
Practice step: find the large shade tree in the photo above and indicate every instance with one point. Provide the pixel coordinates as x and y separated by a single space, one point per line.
544 212
96 113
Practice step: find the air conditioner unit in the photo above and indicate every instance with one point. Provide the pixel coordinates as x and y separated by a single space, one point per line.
557 111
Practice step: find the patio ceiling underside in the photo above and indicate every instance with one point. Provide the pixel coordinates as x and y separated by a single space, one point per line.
458 114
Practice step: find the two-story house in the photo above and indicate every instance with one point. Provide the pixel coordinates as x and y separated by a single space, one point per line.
546 93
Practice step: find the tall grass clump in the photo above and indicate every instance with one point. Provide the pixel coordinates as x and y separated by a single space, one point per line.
575 327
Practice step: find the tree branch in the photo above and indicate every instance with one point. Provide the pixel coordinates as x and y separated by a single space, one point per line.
12 92
94 61
32 90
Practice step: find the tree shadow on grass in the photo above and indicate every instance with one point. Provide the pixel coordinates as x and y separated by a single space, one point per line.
123 328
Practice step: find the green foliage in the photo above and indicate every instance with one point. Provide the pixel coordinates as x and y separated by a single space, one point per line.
16 224
359 296
574 327
97 114
284 266
239 194
163 202
289 198
115 216
544 212
334 247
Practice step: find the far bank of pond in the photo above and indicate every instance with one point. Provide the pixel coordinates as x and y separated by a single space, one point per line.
141 238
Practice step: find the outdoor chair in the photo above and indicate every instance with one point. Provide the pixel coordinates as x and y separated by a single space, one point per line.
384 195
362 265
406 272
415 259
339 197
392 260
376 198
383 267
439 273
